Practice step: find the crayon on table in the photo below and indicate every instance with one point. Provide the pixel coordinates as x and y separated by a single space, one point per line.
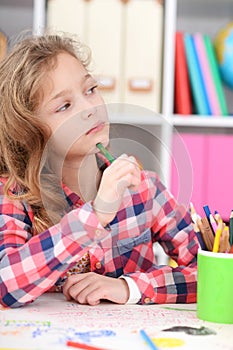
82 346
148 340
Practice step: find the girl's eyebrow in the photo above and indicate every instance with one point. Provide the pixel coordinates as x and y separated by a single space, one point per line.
65 92
60 94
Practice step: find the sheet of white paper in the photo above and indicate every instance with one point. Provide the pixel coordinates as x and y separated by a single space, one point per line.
50 321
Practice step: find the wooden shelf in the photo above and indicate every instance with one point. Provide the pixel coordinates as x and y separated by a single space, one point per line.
203 121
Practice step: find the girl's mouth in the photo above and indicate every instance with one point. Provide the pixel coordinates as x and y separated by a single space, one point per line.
96 128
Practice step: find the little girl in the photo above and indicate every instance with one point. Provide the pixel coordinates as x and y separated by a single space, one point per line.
70 221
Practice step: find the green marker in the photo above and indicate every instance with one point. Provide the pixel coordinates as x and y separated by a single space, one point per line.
105 152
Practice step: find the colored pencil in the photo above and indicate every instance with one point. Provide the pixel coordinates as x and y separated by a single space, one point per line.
224 245
148 340
217 216
110 158
231 250
207 231
231 229
82 346
194 214
105 152
217 237
207 210
210 217
213 223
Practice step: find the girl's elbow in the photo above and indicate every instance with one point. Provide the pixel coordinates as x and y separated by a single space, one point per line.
10 299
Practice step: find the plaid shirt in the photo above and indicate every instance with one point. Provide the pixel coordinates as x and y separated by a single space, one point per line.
31 265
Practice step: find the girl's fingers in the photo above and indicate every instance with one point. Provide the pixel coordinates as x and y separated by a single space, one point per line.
71 281
123 167
90 288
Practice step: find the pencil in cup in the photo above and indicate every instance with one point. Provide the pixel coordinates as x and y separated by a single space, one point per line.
213 223
231 228
210 217
218 236
108 155
194 214
224 246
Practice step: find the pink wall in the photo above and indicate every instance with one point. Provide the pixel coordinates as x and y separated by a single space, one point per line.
202 171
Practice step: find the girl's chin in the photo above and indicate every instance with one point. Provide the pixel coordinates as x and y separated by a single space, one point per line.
104 140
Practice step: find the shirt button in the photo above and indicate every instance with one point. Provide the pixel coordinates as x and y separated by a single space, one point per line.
98 265
147 300
98 233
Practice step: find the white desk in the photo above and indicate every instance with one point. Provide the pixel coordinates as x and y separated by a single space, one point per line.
50 321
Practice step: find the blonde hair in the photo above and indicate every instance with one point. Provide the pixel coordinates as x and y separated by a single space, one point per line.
23 136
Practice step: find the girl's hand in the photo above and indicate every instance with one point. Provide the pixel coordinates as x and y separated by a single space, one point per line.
123 173
90 288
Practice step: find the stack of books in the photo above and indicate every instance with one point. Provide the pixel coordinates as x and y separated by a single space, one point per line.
198 85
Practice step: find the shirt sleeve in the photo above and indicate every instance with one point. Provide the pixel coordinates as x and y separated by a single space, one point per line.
134 292
30 265
171 227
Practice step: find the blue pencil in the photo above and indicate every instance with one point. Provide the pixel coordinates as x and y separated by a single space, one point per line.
210 218
207 211
148 340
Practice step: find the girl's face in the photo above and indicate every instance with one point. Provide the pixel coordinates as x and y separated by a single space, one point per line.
73 109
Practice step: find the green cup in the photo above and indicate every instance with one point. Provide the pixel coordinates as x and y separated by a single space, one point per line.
215 287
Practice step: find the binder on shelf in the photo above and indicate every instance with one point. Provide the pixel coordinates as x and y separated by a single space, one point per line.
141 72
216 75
208 80
3 45
183 101
196 79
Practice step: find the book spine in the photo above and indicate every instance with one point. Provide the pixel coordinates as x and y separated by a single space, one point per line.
197 85
183 102
209 85
216 75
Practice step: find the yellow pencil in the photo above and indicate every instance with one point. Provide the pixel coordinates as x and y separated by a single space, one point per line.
217 236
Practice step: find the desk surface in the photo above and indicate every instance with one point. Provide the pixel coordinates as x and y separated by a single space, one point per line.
50 321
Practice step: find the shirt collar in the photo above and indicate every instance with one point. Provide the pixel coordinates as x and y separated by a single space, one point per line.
72 197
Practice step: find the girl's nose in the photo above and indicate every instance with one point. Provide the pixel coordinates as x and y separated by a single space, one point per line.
88 113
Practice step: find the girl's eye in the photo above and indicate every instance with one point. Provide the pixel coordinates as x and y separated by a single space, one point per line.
64 107
92 90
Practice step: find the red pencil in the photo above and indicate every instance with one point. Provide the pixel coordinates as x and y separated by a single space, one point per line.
82 346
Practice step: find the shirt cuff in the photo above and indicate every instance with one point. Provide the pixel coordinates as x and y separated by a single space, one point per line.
134 292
